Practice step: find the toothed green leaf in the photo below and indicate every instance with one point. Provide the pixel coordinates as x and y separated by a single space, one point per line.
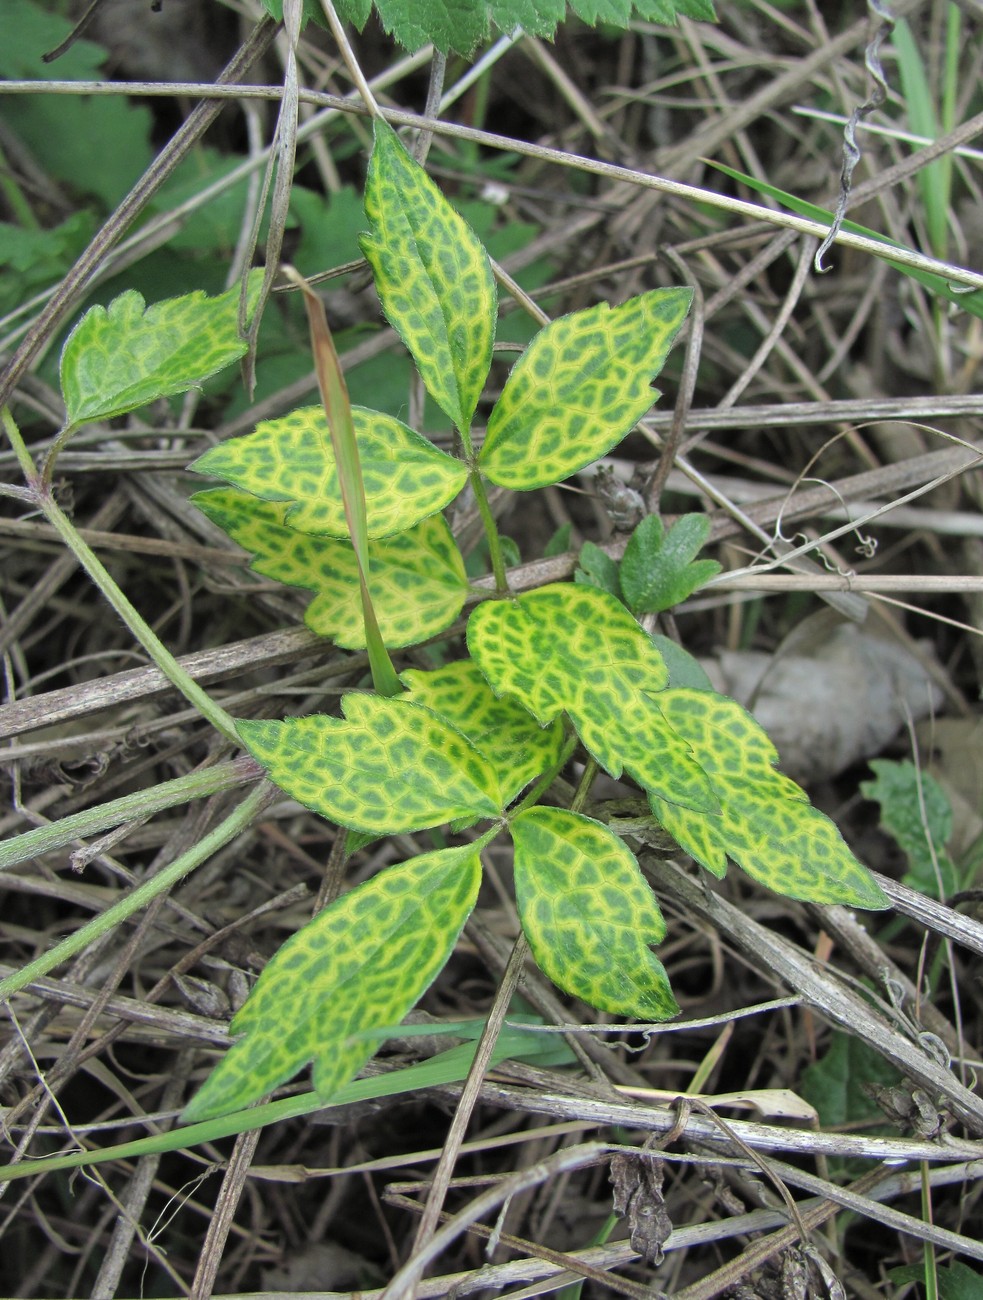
597 569
406 478
361 964
416 578
579 387
576 649
432 275
765 823
514 743
659 568
588 914
387 766
121 357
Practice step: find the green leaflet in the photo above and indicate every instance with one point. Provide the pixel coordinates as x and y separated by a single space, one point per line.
516 746
129 354
388 766
766 823
577 649
658 569
360 964
406 478
432 275
578 389
417 578
588 914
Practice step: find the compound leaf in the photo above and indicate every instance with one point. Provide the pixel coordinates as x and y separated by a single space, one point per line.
387 766
578 389
432 275
123 356
588 914
765 822
659 570
359 965
290 459
576 649
416 578
516 746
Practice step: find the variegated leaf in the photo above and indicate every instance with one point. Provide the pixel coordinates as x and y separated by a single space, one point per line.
588 914
361 964
406 478
416 578
576 649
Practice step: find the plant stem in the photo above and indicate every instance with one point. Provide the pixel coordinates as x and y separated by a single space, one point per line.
491 533
227 830
141 630
143 803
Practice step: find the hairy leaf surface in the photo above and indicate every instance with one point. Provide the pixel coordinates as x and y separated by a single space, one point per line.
290 459
659 568
578 389
432 275
416 578
577 650
387 766
360 964
765 823
121 357
588 913
516 746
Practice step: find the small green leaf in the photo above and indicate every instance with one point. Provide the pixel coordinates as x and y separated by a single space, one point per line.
361 963
515 745
124 356
579 388
406 478
917 812
416 577
658 569
684 670
559 543
432 275
588 914
577 649
765 822
597 569
388 766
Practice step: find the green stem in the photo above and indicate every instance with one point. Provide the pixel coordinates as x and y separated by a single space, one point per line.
146 636
491 533
143 803
583 790
547 779
138 898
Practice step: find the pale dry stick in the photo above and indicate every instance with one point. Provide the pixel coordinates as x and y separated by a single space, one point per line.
233 1181
78 279
687 386
348 55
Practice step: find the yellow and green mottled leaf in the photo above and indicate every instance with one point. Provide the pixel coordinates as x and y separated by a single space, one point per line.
765 823
360 965
515 744
578 389
387 766
123 356
432 275
406 478
417 578
575 649
588 914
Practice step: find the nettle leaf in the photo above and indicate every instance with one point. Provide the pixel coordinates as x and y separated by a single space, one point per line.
658 569
406 477
416 578
123 356
361 964
516 746
765 823
578 650
579 388
588 913
432 275
387 766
